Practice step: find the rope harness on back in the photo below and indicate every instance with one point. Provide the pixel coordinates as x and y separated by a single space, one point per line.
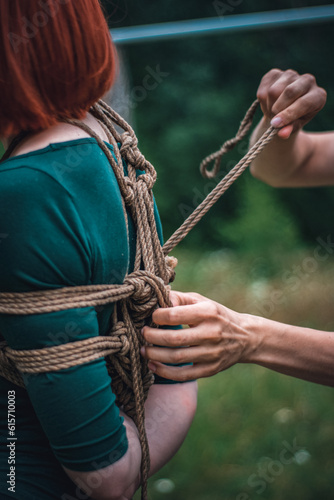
142 291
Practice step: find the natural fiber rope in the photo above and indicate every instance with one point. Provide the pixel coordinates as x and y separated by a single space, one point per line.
220 189
142 291
135 285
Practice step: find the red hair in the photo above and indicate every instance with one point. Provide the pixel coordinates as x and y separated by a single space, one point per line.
56 60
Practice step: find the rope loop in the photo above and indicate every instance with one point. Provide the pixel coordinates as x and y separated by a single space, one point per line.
228 145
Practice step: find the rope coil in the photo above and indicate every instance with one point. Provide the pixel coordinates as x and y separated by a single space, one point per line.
145 289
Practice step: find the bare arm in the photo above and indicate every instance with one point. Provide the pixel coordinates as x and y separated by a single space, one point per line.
114 481
294 158
169 409
300 352
169 412
219 338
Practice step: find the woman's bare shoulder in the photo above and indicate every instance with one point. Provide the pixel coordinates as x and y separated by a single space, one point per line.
61 132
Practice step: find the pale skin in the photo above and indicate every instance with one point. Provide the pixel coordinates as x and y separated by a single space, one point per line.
218 337
169 409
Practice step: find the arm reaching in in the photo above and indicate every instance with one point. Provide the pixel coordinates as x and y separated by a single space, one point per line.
218 338
294 157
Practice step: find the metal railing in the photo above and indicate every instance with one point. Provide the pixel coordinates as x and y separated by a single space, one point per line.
242 22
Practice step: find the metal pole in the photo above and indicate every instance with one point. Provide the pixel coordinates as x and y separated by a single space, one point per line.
242 22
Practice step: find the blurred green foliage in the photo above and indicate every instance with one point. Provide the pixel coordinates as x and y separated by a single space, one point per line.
211 82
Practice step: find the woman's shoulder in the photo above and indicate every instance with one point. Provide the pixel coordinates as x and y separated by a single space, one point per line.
59 152
66 197
75 165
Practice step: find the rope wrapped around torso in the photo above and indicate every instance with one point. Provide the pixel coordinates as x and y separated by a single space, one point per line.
142 291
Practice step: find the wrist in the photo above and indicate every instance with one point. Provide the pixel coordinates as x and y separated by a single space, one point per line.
255 328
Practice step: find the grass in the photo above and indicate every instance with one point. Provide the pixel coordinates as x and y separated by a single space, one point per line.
248 415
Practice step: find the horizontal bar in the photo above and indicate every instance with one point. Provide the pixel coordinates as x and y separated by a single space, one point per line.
241 22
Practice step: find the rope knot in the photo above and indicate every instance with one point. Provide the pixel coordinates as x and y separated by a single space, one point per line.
120 330
125 344
130 151
129 196
149 292
171 263
146 179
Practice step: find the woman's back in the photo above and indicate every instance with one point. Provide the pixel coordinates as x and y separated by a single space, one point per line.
62 219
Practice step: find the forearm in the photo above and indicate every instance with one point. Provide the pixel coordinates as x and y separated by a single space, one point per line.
300 352
169 410
116 480
282 159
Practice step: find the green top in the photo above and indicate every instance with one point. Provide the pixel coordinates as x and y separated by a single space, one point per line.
61 224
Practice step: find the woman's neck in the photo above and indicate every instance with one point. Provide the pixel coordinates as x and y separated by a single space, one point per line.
60 132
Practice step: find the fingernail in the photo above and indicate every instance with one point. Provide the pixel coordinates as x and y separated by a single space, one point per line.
152 367
277 122
142 351
142 331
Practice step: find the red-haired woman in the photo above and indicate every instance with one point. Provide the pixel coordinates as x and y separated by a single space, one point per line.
62 224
